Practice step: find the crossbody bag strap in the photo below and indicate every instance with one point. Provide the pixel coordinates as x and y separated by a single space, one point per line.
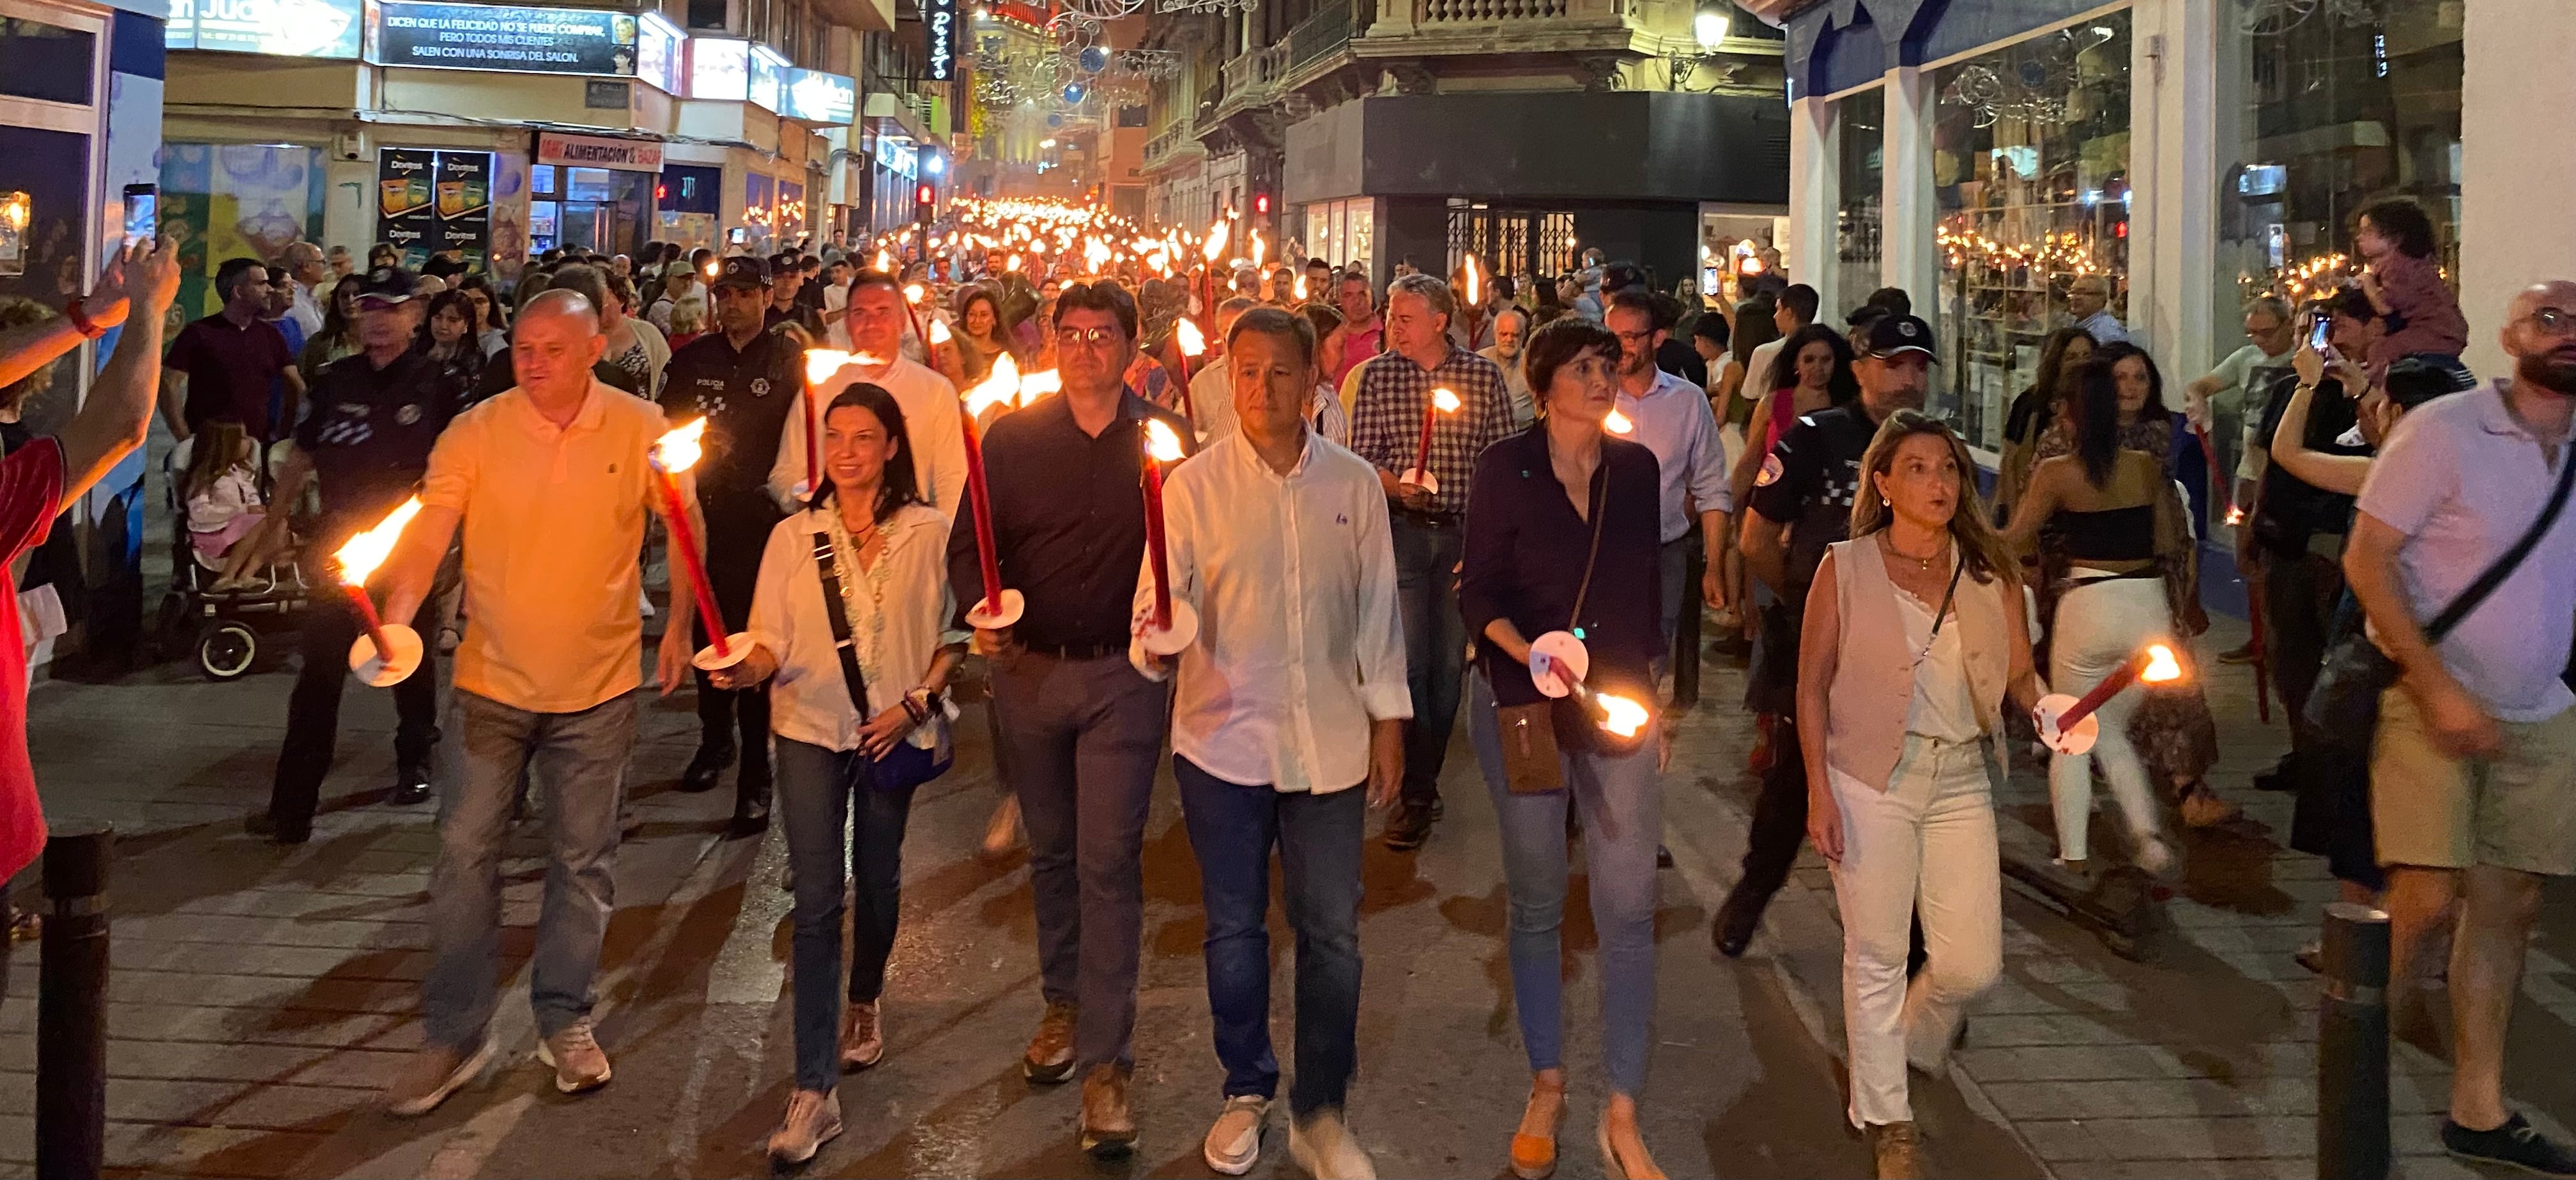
1597 496
827 565
2505 565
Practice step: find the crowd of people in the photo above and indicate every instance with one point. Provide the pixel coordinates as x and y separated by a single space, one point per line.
1397 511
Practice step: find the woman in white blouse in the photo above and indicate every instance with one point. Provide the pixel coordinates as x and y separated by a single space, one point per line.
866 560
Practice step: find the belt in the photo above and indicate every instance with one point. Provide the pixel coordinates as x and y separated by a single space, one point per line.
1437 520
1078 651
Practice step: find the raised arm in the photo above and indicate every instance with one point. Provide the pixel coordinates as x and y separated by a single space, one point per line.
2341 474
117 415
29 347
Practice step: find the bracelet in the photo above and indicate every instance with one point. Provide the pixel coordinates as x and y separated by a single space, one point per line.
81 322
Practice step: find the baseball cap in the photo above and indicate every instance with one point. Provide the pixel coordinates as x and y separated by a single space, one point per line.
742 271
386 285
1893 334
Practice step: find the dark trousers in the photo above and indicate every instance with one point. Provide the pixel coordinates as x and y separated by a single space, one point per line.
1080 739
313 709
1779 823
1435 645
738 527
1232 829
2299 594
818 791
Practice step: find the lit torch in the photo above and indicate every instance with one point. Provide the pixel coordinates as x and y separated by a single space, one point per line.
1172 625
998 608
674 453
1191 343
912 307
1558 664
1442 402
1618 424
2068 726
1039 384
389 652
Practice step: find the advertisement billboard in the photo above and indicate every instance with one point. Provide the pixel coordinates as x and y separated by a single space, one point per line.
501 38
818 97
279 28
719 69
939 37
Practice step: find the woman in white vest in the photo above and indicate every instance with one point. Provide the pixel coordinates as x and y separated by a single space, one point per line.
1914 635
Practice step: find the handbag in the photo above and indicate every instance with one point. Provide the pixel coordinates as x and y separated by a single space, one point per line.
1531 757
2344 706
905 766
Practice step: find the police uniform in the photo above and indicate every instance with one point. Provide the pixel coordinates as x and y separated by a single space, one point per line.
368 435
745 396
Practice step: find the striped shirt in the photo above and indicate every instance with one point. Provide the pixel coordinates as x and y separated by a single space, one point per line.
1386 417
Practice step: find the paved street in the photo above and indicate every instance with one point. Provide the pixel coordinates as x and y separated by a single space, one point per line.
261 994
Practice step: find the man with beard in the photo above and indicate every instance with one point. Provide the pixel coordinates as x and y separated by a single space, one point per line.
1510 327
2473 768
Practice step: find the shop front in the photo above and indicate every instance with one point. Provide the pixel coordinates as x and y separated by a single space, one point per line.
595 193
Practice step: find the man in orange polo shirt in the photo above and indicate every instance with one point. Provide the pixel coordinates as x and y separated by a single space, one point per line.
549 486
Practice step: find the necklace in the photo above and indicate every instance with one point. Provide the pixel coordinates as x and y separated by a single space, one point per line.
1923 563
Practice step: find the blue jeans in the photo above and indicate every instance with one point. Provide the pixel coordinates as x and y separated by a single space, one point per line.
818 791
1435 646
580 758
1620 800
1232 829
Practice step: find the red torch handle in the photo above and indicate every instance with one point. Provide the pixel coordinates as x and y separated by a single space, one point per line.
982 500
684 540
1422 453
1154 545
2103 692
1189 404
813 444
367 612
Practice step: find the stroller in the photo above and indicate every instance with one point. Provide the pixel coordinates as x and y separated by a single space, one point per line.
222 627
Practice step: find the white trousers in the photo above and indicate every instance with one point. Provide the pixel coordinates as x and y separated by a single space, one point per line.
2099 628
1924 846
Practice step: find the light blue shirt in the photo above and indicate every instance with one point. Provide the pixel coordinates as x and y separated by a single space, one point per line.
1673 420
2103 327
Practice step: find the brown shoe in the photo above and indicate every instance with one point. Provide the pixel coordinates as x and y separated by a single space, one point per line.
1108 1127
1050 1055
579 1063
1899 1151
2202 808
433 1073
862 1037
813 1119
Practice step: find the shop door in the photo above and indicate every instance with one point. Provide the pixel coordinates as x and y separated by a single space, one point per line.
1515 242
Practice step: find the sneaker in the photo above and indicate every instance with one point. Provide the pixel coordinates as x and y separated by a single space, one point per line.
2517 1144
705 767
1410 827
1899 1150
1234 1144
579 1063
813 1119
1322 1144
411 785
862 1036
1050 1055
1108 1126
433 1073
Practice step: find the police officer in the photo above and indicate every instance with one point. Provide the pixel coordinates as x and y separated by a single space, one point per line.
373 419
1802 503
746 379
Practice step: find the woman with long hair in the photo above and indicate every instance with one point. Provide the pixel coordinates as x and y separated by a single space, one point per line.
864 565
338 337
968 355
2037 409
1563 534
1914 637
491 324
1753 328
2120 527
1811 372
447 338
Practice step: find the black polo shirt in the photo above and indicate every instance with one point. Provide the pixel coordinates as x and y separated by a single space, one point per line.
369 434
1807 483
1068 519
2289 510
746 395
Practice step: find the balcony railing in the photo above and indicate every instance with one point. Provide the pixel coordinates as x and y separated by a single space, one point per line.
1248 78
1319 36
1486 12
1169 142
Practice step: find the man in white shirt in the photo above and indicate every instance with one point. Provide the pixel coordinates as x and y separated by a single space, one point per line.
1280 540
306 268
1211 392
2088 300
1671 417
1794 309
1510 325
876 322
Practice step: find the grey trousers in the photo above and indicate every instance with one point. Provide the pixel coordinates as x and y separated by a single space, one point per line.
1081 739
579 763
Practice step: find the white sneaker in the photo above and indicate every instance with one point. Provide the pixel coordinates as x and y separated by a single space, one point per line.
1234 1143
1324 1147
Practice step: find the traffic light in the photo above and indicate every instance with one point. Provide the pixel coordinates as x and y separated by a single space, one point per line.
1261 204
924 199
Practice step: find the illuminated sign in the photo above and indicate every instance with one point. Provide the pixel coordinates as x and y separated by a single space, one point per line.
818 97
279 28
939 33
719 69
768 77
657 52
502 38
599 151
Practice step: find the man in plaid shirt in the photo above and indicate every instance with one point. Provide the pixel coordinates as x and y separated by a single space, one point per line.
1394 391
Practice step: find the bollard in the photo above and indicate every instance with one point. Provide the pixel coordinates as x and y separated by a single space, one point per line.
2352 1046
71 1006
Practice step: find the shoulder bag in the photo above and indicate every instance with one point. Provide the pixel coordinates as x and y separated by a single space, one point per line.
1532 764
905 766
2344 706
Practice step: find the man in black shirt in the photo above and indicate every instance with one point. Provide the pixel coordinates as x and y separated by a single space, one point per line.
745 380
1801 503
1081 729
786 285
373 419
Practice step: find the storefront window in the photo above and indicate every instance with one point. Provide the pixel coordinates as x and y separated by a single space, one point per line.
2030 174
1861 121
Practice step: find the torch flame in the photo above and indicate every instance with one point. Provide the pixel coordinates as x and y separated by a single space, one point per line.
1447 402
1160 443
2235 516
2162 667
996 389
367 550
912 294
1473 289
821 363
679 450
711 268
884 261
1620 715
1617 423
1013 264
938 331
1259 249
1215 247
1301 288
1039 384
1192 343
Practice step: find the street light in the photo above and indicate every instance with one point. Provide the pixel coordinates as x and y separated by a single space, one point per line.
1709 28
1708 33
